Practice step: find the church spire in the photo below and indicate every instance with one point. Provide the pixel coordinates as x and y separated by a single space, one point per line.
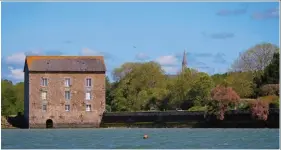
184 61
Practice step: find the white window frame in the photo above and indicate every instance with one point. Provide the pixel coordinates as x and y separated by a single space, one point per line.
67 107
45 107
88 95
65 93
89 84
44 97
44 81
88 107
67 82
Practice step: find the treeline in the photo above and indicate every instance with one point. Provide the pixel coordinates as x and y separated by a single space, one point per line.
12 98
252 83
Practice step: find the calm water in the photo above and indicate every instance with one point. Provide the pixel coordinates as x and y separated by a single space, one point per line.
132 138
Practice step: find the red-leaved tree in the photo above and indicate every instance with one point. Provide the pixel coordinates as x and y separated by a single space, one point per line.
222 98
259 109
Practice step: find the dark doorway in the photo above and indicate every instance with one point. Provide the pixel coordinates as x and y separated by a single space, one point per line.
49 123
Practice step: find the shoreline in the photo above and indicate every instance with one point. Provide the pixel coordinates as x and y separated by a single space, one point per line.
233 119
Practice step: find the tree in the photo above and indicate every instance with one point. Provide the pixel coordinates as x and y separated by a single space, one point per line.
108 91
190 88
256 58
8 98
269 89
122 71
242 83
222 98
259 109
271 72
180 87
219 79
142 86
200 89
19 93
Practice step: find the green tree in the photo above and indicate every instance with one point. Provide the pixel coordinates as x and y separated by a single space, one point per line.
122 71
142 86
255 60
19 93
8 98
190 87
271 72
219 79
200 91
180 86
242 83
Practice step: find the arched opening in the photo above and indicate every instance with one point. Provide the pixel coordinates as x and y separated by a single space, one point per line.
49 123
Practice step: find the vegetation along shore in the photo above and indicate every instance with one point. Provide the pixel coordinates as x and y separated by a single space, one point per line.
252 85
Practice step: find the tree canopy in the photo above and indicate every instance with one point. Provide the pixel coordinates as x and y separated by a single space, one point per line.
12 97
145 86
255 58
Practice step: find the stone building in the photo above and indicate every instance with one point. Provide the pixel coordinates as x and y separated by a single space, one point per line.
64 91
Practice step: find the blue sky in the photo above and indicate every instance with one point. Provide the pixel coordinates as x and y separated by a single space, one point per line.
213 34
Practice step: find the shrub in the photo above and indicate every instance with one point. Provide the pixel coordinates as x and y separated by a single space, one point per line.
107 108
244 105
259 109
272 100
269 89
222 98
274 104
197 108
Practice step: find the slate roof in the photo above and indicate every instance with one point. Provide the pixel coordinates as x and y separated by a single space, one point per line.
65 63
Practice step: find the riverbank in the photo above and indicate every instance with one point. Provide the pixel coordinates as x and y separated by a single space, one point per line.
221 124
187 119
173 119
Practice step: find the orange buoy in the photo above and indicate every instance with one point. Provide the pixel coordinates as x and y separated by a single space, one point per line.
145 136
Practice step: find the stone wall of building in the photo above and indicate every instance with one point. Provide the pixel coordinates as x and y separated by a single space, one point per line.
56 100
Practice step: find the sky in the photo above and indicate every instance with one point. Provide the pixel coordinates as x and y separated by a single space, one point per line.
212 33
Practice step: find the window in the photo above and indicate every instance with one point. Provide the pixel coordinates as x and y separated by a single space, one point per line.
88 107
67 82
44 82
44 107
88 95
44 95
67 107
67 95
88 82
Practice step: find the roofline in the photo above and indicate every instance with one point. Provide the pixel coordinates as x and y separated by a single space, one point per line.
69 72
30 58
61 56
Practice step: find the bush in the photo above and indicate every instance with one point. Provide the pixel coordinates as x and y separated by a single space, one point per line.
222 99
197 108
244 105
107 108
272 100
274 104
269 89
259 109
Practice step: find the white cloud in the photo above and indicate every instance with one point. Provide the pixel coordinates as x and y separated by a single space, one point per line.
17 58
17 74
142 56
89 52
167 60
171 69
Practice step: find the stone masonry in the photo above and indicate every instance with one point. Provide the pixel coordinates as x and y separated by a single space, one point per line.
77 116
